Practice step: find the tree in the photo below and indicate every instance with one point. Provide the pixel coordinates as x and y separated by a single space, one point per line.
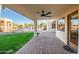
26 25
20 26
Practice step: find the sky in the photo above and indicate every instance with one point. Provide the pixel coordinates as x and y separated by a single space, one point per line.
16 17
75 22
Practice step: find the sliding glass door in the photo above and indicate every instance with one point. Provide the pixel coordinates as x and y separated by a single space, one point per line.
73 30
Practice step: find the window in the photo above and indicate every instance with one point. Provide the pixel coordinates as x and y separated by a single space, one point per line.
54 25
61 24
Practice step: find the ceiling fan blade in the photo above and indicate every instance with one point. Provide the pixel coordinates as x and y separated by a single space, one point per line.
43 11
48 13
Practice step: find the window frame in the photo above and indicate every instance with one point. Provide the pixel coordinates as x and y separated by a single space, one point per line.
63 18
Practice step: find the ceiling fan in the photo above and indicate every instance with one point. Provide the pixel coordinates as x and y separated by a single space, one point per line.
45 14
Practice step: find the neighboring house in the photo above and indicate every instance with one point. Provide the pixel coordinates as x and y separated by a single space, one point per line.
6 25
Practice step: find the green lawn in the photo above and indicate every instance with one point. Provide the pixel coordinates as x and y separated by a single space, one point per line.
10 43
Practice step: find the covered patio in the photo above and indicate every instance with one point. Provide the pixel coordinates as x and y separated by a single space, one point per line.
44 43
54 39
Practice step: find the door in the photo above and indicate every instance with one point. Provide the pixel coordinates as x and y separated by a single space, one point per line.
73 30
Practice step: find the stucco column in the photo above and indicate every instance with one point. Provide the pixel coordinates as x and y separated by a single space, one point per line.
0 11
49 26
35 26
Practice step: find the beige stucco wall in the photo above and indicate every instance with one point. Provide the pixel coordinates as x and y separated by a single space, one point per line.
63 36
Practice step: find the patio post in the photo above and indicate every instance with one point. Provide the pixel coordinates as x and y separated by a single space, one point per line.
35 26
49 26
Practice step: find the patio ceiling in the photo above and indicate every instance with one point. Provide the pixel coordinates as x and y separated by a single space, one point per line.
30 10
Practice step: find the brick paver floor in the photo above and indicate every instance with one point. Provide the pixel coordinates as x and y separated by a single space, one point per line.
44 43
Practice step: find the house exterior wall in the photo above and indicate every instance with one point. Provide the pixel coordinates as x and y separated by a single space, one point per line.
63 36
53 29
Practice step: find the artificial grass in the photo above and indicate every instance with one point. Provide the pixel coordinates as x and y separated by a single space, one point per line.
10 43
